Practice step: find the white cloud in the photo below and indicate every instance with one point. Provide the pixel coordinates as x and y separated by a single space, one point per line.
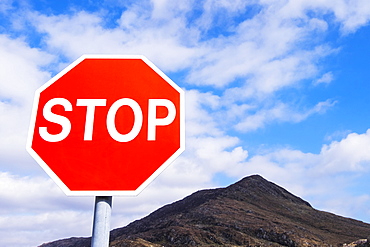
325 79
22 72
36 208
347 205
350 14
322 178
138 33
29 230
5 5
198 120
266 51
280 112
337 135
349 154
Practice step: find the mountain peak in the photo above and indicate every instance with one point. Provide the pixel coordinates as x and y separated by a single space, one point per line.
255 187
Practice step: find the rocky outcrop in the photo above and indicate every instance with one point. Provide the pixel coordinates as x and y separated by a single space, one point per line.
359 243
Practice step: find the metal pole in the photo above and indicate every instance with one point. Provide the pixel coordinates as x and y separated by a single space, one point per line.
101 225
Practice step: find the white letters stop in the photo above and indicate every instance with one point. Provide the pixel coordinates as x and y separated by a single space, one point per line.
91 104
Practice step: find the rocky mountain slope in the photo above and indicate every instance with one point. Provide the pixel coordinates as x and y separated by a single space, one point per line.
251 212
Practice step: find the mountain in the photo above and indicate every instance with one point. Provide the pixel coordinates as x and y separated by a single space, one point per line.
251 212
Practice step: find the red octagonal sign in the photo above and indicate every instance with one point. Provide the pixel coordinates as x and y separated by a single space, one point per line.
107 125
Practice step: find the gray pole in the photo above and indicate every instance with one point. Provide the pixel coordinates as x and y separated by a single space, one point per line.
101 225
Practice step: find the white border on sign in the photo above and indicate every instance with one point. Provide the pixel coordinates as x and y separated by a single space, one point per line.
55 178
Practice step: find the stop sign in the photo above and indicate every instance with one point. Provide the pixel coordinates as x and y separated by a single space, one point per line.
107 125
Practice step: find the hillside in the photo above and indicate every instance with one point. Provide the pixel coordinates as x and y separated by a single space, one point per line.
251 212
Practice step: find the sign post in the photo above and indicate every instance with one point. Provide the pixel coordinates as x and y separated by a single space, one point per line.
101 224
107 125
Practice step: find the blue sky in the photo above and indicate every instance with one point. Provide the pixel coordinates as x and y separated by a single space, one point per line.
274 87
